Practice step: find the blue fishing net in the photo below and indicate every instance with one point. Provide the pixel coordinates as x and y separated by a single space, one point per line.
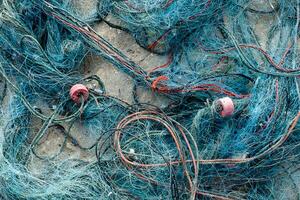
189 149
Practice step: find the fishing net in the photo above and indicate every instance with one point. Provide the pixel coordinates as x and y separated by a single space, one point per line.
229 131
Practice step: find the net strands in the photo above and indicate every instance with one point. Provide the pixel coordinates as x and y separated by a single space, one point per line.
187 150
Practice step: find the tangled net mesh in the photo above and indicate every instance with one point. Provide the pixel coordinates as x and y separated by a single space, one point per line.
186 150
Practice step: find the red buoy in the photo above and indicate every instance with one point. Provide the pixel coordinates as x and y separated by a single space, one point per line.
226 106
77 91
